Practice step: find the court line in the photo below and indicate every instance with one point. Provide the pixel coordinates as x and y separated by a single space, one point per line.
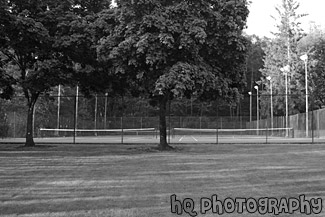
194 138
181 138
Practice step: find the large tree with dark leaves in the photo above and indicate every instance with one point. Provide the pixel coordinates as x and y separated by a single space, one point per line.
167 49
6 82
27 36
78 33
316 69
52 43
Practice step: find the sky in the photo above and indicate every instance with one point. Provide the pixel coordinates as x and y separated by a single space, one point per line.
261 23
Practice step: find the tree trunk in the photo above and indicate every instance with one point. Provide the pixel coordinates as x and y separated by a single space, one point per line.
30 125
163 145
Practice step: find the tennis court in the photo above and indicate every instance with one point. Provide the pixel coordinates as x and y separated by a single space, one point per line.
84 125
174 136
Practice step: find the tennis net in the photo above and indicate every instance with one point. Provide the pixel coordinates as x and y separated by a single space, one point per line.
89 135
280 132
216 135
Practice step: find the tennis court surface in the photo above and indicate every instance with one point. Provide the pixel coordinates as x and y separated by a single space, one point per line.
174 136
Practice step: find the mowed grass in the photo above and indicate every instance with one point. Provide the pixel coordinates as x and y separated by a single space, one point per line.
137 180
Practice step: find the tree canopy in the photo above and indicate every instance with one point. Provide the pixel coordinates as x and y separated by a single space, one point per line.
168 49
283 50
316 68
44 40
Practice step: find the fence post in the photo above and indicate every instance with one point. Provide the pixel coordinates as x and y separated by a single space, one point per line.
297 124
169 125
318 131
312 126
105 111
200 122
75 115
312 118
217 135
158 129
283 121
122 129
180 121
58 111
95 115
267 129
14 124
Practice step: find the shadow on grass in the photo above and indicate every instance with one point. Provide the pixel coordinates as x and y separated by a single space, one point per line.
143 149
35 147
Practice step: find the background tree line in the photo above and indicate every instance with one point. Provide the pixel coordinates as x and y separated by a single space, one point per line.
286 48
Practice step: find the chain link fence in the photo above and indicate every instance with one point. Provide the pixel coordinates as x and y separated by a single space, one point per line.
104 112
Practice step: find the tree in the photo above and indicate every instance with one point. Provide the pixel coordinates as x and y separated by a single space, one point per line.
78 33
254 60
254 63
26 38
313 45
283 50
175 49
6 82
316 69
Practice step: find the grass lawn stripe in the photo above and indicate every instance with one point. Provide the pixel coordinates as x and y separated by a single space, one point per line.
134 180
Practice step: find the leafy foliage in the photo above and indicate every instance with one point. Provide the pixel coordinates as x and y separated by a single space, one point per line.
317 72
160 44
175 49
28 35
6 81
281 51
254 60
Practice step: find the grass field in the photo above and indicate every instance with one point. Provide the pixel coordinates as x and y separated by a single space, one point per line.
137 180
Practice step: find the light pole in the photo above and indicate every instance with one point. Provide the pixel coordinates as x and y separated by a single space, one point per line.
271 93
250 106
305 59
257 109
286 70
